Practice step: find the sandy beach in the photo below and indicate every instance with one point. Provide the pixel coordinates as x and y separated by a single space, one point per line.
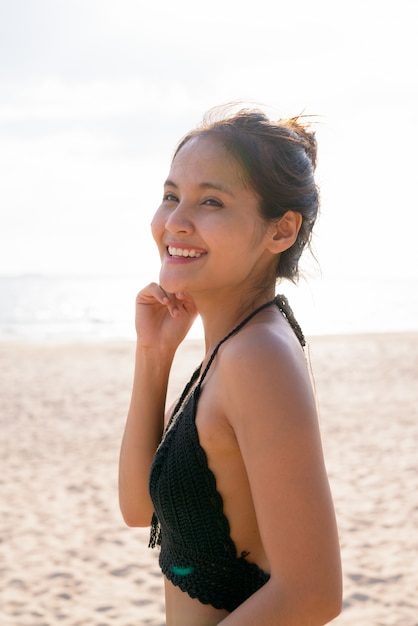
66 556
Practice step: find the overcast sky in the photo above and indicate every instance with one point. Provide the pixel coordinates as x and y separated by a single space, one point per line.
94 94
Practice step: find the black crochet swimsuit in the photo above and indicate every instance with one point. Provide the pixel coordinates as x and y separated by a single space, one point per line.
197 552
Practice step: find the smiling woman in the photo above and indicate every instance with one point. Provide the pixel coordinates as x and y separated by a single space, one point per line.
233 478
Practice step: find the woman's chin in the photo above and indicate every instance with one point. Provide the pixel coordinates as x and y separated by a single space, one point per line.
170 284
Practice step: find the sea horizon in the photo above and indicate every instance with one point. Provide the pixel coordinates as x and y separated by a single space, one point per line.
48 307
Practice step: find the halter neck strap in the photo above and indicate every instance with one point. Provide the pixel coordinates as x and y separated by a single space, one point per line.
283 305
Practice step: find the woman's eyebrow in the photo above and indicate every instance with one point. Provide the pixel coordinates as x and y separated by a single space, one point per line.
203 185
170 183
217 186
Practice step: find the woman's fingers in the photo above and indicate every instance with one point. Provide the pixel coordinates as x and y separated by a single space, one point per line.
175 302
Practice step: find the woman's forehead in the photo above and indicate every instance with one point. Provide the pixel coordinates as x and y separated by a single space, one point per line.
206 156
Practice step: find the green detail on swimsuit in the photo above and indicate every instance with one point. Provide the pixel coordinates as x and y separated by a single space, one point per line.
181 571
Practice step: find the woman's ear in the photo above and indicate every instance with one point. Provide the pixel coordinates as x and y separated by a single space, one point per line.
284 232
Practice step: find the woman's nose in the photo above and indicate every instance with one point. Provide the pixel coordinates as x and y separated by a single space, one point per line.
179 219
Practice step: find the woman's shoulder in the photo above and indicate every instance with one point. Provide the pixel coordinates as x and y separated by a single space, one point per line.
263 344
264 366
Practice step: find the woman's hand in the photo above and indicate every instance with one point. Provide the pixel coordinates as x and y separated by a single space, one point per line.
161 318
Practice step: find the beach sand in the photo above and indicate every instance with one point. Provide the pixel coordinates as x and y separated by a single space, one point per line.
66 556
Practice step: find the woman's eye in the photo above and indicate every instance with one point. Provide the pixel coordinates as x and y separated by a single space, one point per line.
170 197
213 202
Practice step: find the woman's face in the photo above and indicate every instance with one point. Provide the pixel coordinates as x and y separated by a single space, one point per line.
208 229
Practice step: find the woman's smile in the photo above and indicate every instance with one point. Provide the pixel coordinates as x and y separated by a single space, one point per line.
180 252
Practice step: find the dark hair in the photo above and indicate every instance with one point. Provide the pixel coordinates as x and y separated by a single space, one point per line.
278 160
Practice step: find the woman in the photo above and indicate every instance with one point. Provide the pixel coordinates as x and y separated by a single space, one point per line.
233 478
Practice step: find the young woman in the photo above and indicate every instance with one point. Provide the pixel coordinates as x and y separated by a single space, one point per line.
233 478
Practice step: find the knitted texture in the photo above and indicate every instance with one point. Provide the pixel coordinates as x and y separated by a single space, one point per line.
197 552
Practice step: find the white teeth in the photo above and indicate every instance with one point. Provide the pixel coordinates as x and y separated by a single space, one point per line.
183 252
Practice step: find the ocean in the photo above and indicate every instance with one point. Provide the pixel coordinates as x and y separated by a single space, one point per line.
90 308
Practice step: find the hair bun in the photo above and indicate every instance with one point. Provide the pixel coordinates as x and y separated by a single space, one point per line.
306 137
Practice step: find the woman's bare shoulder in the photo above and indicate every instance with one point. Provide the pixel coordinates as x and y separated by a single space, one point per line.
265 366
263 346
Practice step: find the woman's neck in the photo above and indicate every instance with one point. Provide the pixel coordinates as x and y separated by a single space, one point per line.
220 316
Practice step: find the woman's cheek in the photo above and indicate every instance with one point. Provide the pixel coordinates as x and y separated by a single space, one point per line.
157 227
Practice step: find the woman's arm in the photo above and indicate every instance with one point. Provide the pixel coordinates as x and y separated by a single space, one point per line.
270 405
142 435
162 321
